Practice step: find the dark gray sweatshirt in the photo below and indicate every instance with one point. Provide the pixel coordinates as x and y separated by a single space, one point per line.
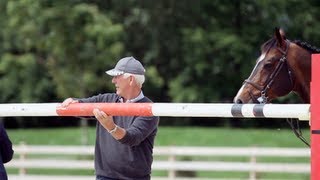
130 157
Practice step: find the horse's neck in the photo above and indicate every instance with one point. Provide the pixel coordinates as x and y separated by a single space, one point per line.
302 74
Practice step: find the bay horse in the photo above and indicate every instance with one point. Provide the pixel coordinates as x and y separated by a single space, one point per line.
283 66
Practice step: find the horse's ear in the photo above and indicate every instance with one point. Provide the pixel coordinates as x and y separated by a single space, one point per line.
280 36
283 34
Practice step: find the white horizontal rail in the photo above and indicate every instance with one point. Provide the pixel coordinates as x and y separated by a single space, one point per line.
232 166
70 177
28 109
49 177
173 150
66 150
167 165
51 163
233 151
300 111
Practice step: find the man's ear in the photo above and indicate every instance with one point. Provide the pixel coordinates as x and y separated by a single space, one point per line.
132 80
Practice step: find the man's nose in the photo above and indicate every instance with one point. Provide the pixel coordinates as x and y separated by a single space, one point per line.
114 79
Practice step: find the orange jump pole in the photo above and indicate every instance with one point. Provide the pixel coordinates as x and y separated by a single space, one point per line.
125 109
315 117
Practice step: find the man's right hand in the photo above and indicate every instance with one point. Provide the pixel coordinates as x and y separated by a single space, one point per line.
68 101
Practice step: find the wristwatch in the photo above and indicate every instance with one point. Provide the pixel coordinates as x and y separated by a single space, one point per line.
113 130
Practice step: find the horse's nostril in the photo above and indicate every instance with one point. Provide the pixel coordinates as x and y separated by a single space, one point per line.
238 101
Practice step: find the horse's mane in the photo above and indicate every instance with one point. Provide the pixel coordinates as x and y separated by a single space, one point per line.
271 42
307 46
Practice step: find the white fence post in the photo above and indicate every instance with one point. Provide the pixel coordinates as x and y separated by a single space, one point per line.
253 173
22 158
172 172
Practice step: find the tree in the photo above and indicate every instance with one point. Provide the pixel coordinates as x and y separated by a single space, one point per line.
55 49
194 51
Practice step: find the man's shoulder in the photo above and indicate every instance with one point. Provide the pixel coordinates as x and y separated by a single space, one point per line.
106 97
109 97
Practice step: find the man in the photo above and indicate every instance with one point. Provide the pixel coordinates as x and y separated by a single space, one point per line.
124 144
6 151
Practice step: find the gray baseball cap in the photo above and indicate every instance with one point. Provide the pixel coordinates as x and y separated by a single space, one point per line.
127 65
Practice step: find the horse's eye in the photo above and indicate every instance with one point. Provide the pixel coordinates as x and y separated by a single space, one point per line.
268 66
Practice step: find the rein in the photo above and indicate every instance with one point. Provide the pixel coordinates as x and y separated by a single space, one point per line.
264 90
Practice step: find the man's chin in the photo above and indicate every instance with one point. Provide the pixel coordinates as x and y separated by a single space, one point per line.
118 93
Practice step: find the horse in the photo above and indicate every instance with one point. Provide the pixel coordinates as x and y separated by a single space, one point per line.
284 66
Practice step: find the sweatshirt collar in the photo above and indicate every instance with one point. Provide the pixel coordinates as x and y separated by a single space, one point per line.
138 98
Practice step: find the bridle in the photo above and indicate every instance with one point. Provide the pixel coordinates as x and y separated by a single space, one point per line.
264 89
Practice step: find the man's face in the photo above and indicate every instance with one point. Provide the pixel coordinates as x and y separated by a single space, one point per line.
122 84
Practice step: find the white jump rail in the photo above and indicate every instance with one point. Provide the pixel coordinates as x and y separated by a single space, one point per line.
300 111
172 164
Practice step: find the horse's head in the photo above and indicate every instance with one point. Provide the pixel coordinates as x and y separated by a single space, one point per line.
271 76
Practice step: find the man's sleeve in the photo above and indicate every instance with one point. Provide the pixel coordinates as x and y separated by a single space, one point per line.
141 128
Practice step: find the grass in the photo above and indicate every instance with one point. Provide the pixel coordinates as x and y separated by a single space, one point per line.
51 136
178 136
200 136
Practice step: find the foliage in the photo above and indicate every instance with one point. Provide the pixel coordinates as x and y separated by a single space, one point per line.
67 45
194 51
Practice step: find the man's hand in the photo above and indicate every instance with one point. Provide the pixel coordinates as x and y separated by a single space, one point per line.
105 120
68 101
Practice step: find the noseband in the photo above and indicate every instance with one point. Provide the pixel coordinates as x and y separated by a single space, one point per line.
264 90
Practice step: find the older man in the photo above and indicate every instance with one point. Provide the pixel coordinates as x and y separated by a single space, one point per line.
124 144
